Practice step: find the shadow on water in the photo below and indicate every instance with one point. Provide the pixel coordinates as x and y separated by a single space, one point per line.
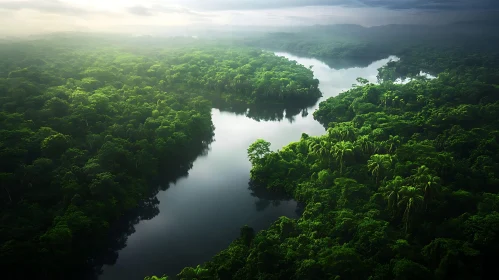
116 240
268 197
266 112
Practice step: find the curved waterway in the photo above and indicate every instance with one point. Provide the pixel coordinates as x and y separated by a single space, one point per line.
202 213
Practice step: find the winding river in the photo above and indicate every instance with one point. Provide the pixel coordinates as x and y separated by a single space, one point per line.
202 213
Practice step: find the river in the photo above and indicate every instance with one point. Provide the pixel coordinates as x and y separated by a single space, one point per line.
202 213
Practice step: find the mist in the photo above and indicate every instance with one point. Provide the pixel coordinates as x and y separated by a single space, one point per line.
28 17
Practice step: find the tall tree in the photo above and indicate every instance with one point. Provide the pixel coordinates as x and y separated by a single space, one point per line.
410 200
341 150
378 165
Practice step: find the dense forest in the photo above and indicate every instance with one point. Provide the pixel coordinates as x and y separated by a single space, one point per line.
402 186
90 129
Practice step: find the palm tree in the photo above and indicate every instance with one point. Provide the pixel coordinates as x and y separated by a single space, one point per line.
322 149
365 144
340 150
343 132
377 164
410 199
392 143
368 145
386 98
383 99
427 182
390 193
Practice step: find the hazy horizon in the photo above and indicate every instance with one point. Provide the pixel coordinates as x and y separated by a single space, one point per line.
26 17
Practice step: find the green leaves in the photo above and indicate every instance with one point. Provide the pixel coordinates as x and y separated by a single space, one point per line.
378 165
390 192
405 269
57 240
410 199
55 145
341 151
197 273
156 278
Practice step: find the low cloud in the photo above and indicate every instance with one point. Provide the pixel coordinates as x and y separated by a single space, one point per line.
139 11
47 6
117 15
153 10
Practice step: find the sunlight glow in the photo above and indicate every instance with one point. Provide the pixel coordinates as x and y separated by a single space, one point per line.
24 17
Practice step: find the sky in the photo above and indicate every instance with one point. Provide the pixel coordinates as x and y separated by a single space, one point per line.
24 17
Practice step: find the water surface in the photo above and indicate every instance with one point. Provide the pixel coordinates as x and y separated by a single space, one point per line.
201 214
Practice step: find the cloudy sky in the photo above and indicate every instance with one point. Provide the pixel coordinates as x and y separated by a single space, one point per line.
39 16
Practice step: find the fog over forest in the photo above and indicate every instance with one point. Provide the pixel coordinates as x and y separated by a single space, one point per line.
25 17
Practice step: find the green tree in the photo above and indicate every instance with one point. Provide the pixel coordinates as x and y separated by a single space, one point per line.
258 150
341 150
323 149
409 200
391 192
378 165
55 145
426 181
408 270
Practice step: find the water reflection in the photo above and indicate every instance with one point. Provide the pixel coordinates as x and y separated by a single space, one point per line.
266 197
355 62
107 254
279 112
267 112
117 238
